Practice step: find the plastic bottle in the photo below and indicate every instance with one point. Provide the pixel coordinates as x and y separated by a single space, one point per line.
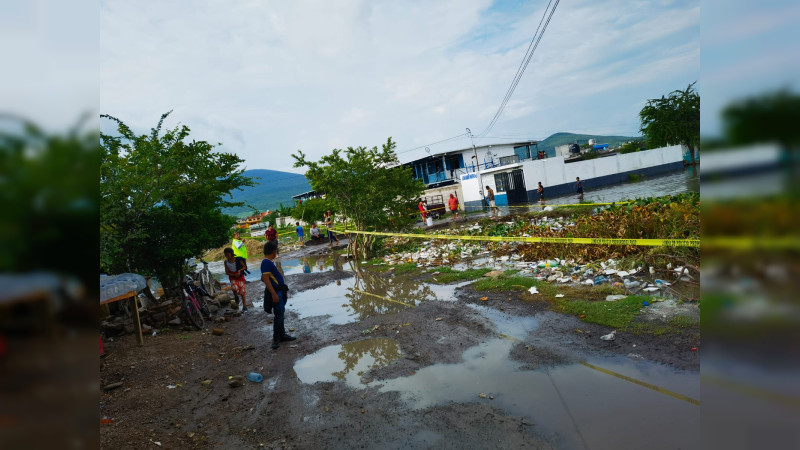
255 377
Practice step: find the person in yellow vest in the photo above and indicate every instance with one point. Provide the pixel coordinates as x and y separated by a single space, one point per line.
240 251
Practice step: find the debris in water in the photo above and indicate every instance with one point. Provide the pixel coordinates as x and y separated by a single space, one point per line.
484 298
482 395
438 319
206 382
533 290
609 336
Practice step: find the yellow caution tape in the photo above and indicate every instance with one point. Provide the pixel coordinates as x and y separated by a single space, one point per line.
752 243
776 397
381 297
643 384
546 240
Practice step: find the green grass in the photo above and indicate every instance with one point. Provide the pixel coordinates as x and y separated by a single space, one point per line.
405 268
617 314
509 283
448 275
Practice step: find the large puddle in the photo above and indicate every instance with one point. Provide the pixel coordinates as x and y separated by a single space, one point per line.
364 295
574 405
347 362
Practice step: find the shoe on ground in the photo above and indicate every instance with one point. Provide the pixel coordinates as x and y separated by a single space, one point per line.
275 344
244 308
286 338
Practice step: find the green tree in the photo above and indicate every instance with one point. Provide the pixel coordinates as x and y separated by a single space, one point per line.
632 146
368 187
673 120
312 209
771 117
161 200
48 199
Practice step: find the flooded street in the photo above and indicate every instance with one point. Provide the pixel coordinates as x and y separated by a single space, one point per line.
389 355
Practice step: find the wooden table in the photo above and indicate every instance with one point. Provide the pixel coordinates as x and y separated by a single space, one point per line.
137 322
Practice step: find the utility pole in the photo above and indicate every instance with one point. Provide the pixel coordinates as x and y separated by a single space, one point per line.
480 182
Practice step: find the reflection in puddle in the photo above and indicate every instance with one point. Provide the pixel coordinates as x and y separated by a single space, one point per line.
570 404
306 264
312 264
344 303
347 362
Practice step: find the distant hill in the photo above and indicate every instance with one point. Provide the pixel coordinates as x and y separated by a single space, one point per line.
272 189
549 145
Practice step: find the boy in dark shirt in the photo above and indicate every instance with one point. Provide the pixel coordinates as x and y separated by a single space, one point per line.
275 292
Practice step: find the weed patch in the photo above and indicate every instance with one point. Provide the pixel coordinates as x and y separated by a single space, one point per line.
405 268
448 275
617 314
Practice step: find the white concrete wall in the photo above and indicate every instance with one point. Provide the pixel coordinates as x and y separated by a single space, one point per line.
470 188
554 171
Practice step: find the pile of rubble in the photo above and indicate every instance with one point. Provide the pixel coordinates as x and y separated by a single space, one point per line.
163 314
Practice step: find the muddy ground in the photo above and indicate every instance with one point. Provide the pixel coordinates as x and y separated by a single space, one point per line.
175 391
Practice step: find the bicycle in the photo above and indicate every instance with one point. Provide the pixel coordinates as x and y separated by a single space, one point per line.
206 279
194 303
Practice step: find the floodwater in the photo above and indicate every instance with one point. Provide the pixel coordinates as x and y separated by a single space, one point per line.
309 264
572 405
576 406
365 295
347 362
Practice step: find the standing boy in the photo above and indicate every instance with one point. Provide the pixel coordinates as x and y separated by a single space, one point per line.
299 231
275 291
328 226
490 197
579 187
234 269
540 190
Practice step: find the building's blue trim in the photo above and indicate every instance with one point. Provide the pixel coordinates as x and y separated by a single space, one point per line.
500 199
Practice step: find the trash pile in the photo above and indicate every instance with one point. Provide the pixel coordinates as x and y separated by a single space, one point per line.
635 280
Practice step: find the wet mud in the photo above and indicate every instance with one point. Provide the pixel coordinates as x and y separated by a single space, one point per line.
390 361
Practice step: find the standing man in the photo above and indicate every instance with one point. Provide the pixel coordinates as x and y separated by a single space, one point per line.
240 251
453 203
540 190
272 236
299 231
275 292
490 197
328 219
579 187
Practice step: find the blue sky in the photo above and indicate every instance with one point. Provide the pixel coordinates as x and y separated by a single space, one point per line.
269 79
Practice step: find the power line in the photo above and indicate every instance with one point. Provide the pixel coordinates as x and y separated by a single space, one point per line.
537 37
432 143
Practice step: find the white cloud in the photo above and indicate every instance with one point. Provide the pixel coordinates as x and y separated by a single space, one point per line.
268 79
